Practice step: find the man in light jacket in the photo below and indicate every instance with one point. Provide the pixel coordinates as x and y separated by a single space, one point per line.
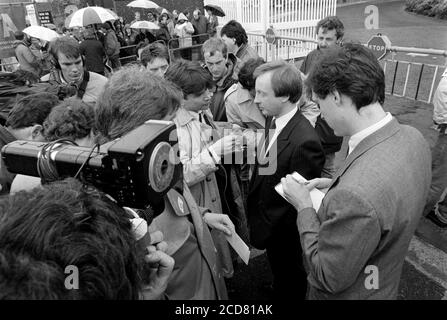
27 60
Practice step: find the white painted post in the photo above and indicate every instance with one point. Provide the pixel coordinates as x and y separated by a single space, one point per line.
239 12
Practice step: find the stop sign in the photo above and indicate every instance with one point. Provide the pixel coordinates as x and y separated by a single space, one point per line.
379 45
270 36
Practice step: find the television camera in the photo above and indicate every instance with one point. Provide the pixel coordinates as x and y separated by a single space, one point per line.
136 170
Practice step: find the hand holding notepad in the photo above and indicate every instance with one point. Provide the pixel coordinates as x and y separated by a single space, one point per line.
315 194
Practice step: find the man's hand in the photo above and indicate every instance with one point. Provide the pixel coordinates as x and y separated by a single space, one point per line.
227 145
296 193
319 183
161 267
220 222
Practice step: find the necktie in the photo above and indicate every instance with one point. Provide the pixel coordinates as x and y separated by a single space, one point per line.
204 119
269 132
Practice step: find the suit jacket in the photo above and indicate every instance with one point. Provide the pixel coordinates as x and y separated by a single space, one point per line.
368 217
298 149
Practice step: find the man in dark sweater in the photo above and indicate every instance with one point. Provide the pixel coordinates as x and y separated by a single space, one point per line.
330 31
93 51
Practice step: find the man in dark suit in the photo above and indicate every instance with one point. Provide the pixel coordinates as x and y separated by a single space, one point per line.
290 144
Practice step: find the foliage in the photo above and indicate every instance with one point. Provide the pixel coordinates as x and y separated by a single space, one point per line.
431 8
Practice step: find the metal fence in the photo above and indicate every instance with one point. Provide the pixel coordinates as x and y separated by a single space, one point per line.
412 80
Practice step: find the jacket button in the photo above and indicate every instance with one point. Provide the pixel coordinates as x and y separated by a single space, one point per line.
208 179
213 200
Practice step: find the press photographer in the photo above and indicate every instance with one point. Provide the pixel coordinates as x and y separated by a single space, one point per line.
69 74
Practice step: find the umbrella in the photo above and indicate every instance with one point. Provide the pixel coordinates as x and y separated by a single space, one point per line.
145 4
41 33
217 11
144 25
91 15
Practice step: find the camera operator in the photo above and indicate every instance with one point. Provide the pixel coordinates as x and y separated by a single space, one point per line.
130 98
69 73
24 122
64 225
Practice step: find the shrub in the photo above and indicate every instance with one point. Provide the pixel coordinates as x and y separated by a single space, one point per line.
431 8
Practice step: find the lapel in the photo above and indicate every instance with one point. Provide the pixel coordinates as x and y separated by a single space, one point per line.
281 143
369 142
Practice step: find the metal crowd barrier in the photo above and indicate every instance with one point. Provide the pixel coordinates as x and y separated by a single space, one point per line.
192 52
411 76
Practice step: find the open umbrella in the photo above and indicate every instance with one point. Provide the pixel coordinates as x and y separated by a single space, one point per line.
91 15
216 10
41 33
145 4
144 25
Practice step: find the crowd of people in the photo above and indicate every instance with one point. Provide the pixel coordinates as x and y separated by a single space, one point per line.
243 126
101 43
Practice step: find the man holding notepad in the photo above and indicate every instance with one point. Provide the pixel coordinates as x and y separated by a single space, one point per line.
356 243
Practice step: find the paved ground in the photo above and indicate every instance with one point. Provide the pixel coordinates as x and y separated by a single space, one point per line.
425 270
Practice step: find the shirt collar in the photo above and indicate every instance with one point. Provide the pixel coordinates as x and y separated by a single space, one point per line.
282 121
359 136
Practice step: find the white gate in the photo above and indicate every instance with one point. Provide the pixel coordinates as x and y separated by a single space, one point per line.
289 18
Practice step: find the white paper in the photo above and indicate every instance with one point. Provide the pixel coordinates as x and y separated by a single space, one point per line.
239 246
315 194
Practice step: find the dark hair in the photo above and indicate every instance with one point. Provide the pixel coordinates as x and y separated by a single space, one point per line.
106 25
66 224
71 119
130 98
245 74
331 23
19 77
152 51
19 35
30 110
212 45
234 29
22 276
286 79
68 46
190 77
353 71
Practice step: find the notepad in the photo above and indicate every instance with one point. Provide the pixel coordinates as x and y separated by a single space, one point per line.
315 194
239 246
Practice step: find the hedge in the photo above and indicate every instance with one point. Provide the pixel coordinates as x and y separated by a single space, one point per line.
431 8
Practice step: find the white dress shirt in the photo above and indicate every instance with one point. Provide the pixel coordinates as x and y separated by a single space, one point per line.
281 122
359 136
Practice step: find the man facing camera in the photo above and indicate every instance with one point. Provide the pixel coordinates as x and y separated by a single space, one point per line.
69 72
291 144
355 245
155 58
